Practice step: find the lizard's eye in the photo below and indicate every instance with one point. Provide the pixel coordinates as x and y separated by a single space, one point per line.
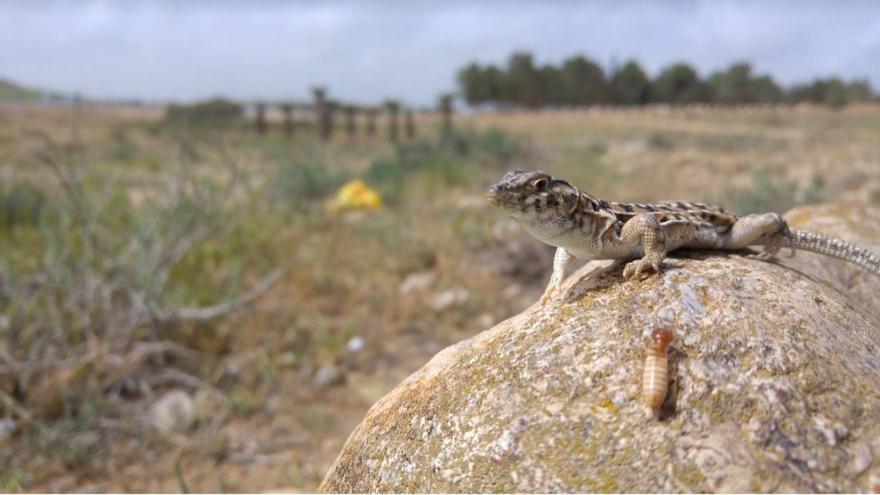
540 184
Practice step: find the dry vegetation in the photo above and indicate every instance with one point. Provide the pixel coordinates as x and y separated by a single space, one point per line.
130 249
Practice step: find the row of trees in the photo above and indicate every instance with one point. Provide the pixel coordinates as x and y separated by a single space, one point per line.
580 81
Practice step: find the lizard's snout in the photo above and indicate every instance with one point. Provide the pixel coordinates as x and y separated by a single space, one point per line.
493 195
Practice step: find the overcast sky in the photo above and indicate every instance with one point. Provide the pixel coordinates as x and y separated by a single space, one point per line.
368 51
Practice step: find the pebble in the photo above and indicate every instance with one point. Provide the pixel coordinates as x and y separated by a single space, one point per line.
327 376
448 298
7 427
415 282
173 412
355 344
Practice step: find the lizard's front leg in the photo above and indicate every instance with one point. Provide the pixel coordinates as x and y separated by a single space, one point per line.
643 229
562 260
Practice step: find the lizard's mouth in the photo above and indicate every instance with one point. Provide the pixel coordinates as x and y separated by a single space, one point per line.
493 196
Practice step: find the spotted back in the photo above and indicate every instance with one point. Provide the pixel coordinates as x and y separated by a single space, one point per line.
673 212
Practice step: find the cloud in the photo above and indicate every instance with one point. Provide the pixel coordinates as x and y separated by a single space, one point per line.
368 51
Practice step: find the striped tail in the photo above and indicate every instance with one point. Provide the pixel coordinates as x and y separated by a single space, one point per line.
829 246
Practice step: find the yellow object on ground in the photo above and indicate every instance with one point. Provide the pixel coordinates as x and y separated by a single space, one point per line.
355 194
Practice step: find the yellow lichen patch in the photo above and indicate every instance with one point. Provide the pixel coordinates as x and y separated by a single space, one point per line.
608 406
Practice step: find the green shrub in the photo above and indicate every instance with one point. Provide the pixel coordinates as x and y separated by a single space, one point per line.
216 112
444 160
21 204
660 141
498 146
295 183
772 193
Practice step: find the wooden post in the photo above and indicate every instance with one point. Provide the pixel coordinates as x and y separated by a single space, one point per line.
409 124
287 125
393 108
330 110
260 118
371 114
446 111
350 113
322 113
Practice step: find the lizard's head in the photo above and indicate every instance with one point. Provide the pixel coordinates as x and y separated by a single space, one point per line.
533 195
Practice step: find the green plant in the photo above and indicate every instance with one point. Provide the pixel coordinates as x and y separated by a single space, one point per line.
99 296
498 146
298 182
21 203
771 193
443 160
660 141
216 112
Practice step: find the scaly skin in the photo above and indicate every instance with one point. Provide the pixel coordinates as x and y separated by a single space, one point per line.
586 227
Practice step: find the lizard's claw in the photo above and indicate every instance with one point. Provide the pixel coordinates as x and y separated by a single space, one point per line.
553 289
548 296
771 246
634 269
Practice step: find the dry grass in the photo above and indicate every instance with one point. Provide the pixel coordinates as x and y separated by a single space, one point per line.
283 380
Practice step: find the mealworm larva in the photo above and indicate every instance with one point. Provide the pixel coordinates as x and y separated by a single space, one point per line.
655 377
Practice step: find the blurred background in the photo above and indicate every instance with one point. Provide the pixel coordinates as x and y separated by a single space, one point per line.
227 228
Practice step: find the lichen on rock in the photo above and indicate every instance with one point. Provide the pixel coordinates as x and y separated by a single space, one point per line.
775 387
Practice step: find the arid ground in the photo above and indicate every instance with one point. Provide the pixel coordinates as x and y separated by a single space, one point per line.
114 226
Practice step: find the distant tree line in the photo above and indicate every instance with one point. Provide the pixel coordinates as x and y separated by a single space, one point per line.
580 81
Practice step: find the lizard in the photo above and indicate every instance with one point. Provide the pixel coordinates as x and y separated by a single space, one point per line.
583 226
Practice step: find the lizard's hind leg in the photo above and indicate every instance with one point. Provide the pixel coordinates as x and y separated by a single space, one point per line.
756 229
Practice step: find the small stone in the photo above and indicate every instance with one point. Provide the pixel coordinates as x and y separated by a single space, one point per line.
355 344
448 298
328 375
287 359
862 458
415 282
7 428
173 412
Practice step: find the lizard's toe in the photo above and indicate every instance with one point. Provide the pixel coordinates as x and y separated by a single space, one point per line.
656 265
634 269
771 247
629 269
547 297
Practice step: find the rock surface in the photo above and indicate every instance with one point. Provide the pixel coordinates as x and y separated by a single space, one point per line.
775 387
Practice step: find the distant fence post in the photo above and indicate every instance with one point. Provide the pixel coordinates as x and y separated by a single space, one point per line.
260 118
446 111
322 113
409 124
371 114
393 108
330 109
287 125
350 113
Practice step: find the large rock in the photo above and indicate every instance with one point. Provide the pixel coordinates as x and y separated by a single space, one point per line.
776 387
852 222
